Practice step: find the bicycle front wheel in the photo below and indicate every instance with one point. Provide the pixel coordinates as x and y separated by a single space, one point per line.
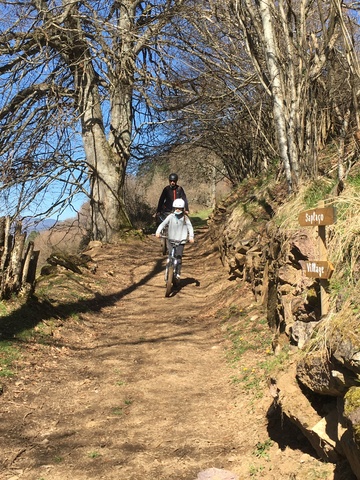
169 280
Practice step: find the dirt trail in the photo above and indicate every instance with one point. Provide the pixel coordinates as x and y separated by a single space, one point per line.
138 386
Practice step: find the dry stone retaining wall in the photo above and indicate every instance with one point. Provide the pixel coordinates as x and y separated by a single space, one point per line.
254 250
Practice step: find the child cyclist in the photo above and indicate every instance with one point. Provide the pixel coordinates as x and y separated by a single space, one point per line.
179 227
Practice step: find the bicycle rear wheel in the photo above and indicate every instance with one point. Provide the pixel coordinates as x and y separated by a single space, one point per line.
169 280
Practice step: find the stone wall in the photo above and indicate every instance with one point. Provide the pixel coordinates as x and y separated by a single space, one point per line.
320 392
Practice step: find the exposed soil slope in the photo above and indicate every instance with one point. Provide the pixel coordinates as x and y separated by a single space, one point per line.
139 386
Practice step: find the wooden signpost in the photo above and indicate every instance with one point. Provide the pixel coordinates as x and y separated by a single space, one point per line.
317 217
321 268
318 269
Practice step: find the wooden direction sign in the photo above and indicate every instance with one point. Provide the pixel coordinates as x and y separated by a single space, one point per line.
318 269
317 216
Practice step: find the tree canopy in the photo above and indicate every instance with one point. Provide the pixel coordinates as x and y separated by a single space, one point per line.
87 86
71 74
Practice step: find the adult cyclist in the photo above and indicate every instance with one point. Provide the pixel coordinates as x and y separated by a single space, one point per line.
170 193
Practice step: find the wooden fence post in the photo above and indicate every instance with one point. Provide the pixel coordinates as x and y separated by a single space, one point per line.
323 282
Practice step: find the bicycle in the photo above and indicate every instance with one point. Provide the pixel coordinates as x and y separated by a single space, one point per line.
172 267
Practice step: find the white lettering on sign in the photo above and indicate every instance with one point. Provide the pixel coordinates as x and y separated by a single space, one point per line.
314 217
313 267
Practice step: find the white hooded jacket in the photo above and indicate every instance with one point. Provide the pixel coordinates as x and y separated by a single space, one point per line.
179 227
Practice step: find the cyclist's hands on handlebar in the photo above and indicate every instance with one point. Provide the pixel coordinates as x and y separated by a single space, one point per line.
191 240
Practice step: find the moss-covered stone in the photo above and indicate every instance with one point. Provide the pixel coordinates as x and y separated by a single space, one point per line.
352 410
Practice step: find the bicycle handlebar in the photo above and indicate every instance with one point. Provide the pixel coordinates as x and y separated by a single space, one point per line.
177 242
173 242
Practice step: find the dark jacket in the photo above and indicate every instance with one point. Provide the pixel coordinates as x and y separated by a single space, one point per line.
168 196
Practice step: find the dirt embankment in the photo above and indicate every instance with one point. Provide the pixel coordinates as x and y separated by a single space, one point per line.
139 386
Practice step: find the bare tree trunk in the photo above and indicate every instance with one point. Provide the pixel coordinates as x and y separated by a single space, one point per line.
107 171
2 233
15 266
27 262
341 148
108 158
31 274
5 251
285 34
13 273
272 60
213 187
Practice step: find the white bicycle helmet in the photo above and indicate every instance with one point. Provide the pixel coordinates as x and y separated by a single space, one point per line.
178 203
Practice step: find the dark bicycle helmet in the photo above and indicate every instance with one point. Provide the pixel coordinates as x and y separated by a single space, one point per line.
173 177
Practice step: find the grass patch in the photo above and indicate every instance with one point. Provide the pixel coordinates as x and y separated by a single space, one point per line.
245 332
199 219
94 455
8 355
117 411
342 326
226 314
262 449
344 239
240 345
354 181
254 471
275 363
249 343
307 197
253 382
318 190
3 308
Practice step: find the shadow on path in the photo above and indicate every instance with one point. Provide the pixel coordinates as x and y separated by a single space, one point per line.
33 312
183 283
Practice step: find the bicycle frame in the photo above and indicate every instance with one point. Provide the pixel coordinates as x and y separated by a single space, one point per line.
172 266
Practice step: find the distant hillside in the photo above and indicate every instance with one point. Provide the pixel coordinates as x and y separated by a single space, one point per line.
38 226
